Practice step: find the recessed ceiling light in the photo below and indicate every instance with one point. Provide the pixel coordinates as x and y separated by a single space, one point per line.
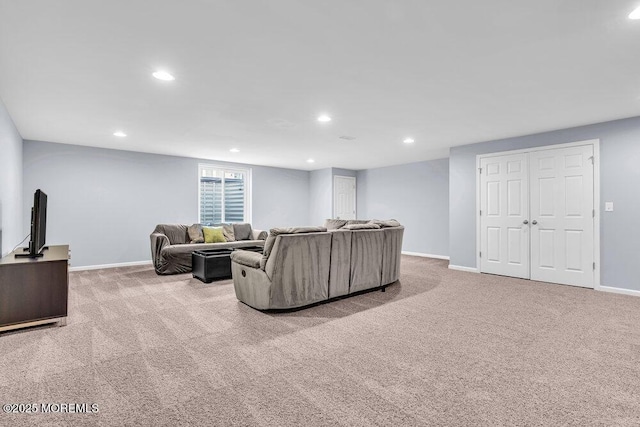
635 14
408 141
234 150
324 118
119 134
310 161
163 75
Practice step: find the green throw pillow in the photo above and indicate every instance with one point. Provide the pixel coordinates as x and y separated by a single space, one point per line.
213 235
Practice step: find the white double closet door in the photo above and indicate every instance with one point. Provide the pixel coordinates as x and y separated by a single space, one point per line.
537 215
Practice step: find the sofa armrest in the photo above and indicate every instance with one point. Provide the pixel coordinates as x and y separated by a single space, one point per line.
246 258
158 242
259 234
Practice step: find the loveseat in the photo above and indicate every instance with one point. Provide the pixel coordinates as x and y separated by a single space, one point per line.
172 244
305 265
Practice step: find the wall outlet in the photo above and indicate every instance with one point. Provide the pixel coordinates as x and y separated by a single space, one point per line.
608 206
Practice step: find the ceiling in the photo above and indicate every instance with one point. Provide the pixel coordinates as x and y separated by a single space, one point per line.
255 75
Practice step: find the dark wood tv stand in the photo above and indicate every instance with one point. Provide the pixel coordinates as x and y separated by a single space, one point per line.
34 291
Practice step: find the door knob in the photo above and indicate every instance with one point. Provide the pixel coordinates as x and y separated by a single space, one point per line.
525 222
534 222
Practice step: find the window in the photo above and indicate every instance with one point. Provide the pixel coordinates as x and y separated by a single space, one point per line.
224 194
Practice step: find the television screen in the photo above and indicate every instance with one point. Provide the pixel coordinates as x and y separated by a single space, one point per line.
38 226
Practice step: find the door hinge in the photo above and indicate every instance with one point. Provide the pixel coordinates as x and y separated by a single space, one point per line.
591 158
480 170
480 254
594 265
593 213
480 212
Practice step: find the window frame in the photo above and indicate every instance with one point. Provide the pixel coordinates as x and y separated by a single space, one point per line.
233 169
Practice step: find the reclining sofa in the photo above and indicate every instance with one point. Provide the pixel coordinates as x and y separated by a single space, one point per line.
171 246
305 265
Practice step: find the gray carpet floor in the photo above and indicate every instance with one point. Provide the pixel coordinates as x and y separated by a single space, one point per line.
440 347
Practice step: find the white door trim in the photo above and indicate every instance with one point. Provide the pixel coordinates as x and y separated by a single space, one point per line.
593 142
596 220
355 194
596 196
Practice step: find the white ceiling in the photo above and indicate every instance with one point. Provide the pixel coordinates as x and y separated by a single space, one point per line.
256 74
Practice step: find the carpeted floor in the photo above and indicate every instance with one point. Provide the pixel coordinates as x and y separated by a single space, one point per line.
440 347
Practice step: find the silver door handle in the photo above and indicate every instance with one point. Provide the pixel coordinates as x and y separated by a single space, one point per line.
525 222
534 222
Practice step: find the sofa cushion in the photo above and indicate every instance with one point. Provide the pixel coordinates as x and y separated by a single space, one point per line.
357 221
385 224
368 226
213 235
366 259
176 233
340 271
275 232
248 258
242 231
195 233
189 248
334 224
391 254
227 230
177 258
299 264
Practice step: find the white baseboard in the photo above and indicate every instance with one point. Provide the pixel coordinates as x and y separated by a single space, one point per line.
619 291
462 268
102 266
420 254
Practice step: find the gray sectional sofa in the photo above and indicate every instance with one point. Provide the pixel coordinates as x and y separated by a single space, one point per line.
305 265
171 245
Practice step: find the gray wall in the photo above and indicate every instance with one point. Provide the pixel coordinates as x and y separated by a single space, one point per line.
105 203
11 213
321 193
417 195
320 196
619 183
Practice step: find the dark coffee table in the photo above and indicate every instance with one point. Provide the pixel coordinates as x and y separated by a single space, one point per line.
215 264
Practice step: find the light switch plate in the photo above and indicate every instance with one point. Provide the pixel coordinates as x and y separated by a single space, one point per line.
608 206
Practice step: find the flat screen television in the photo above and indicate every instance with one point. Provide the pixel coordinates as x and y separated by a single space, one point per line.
38 227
